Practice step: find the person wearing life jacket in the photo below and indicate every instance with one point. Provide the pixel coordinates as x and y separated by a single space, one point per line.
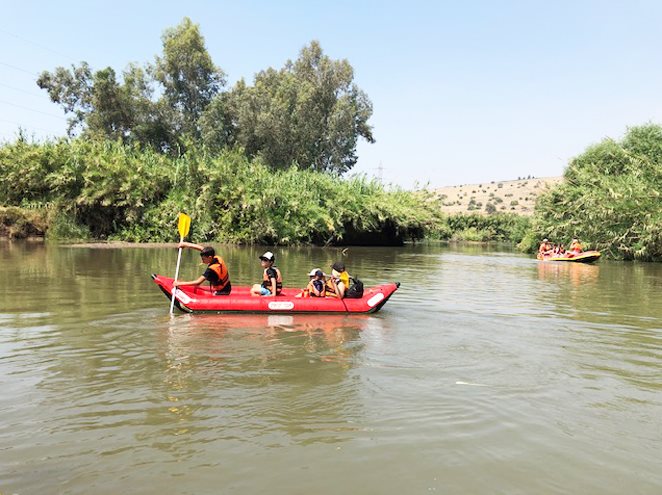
317 285
545 247
338 282
575 247
272 280
216 273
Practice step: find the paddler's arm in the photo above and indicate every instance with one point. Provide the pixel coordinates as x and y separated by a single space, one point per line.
190 245
197 281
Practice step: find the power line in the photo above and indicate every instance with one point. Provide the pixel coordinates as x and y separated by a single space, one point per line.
38 45
26 126
24 91
19 69
32 110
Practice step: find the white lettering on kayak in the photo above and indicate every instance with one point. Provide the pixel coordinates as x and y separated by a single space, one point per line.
281 305
375 299
182 296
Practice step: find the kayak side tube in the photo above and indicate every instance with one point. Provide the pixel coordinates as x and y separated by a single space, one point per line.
195 299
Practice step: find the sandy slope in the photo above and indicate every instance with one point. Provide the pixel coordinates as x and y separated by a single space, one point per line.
516 196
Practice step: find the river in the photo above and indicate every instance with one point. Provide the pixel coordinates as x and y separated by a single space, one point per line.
487 372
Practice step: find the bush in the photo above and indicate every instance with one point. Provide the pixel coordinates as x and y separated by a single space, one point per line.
108 190
18 223
507 227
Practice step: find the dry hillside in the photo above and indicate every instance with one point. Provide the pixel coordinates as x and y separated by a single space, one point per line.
515 196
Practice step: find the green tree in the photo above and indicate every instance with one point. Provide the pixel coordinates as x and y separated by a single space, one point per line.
310 113
72 90
218 123
189 78
100 106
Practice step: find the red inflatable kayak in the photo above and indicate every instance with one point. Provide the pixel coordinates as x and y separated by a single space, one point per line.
194 299
583 257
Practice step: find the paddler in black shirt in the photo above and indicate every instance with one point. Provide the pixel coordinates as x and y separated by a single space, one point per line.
216 273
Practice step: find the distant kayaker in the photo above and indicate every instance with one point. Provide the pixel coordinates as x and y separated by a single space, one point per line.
575 246
338 282
546 247
272 280
216 273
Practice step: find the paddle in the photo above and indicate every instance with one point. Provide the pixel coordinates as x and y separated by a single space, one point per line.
183 225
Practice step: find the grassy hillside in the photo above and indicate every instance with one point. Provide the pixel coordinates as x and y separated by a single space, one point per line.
512 196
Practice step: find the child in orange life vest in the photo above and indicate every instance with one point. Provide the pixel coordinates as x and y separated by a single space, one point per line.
216 273
316 286
272 280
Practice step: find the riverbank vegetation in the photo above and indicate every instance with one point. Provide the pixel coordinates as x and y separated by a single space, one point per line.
611 199
85 188
497 227
74 189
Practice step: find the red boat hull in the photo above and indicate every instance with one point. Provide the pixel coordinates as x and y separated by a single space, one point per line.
194 299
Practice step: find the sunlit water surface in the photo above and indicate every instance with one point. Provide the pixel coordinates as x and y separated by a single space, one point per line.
487 372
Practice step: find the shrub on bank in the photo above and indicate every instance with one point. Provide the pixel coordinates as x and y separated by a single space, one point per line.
104 189
502 227
19 223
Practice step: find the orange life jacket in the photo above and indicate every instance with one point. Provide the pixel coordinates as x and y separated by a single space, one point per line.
545 247
576 246
219 268
342 277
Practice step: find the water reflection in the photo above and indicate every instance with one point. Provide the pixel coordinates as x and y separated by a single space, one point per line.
575 273
275 373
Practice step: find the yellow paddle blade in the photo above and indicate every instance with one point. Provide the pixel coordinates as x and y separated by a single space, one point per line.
183 224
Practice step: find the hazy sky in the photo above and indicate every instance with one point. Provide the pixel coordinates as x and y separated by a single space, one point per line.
463 92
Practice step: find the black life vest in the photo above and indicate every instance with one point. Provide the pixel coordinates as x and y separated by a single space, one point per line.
266 281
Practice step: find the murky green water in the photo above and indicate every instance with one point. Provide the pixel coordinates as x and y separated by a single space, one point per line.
488 372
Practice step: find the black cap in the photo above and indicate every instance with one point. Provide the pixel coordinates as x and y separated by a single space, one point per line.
338 266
